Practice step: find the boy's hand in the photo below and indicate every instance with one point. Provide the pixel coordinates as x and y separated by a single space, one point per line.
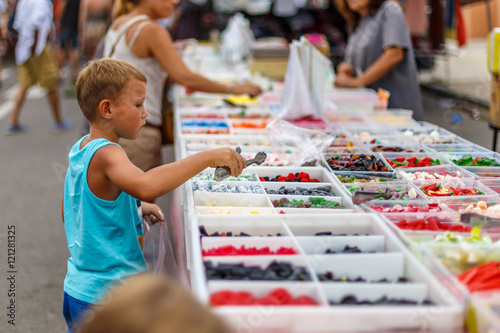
152 211
226 157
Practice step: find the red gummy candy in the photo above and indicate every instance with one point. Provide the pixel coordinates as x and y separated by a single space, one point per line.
303 175
280 296
304 300
221 297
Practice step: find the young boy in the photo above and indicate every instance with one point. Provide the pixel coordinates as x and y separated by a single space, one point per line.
102 186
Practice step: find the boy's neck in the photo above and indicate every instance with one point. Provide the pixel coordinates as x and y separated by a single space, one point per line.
100 133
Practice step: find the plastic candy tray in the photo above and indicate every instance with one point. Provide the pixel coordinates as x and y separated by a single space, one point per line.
395 185
390 260
439 169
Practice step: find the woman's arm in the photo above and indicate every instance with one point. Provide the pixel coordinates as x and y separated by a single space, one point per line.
160 44
389 59
82 19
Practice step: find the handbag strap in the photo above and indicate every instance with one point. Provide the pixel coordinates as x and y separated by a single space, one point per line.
123 33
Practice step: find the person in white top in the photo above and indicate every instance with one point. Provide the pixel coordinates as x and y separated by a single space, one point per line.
3 32
35 61
135 36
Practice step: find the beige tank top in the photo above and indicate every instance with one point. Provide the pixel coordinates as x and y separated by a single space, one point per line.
152 69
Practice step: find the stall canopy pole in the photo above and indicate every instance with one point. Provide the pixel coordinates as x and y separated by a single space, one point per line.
488 13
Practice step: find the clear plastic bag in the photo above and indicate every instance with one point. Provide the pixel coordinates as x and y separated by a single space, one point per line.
308 144
158 250
237 39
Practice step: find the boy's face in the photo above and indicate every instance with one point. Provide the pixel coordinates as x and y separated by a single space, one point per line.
129 112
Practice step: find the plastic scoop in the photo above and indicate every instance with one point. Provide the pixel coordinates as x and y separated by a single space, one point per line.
222 173
359 197
484 221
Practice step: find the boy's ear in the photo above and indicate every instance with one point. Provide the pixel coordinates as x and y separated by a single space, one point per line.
105 109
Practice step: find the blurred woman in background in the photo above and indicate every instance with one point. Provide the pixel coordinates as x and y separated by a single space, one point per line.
379 53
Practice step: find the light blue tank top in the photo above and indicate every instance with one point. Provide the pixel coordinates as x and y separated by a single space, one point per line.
101 234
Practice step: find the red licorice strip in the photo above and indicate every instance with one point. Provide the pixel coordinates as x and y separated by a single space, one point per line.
277 296
402 162
230 250
482 277
435 190
432 224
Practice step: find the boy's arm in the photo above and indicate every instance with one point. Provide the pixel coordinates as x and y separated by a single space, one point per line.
147 186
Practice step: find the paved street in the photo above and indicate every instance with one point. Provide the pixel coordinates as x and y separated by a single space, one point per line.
32 167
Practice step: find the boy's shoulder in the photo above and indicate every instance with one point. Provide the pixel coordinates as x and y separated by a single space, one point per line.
92 146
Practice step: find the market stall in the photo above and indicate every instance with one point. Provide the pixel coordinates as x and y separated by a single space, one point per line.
361 220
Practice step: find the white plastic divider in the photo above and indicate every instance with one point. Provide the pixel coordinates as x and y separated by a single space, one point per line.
384 139
200 210
373 266
314 245
459 147
394 147
371 292
195 261
310 224
273 243
231 200
485 305
262 226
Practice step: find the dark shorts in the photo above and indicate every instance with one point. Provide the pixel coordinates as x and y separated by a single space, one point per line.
68 38
73 311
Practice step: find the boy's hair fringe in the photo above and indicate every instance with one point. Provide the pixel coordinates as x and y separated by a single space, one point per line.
104 79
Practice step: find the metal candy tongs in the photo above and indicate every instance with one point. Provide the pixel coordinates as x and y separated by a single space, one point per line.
222 173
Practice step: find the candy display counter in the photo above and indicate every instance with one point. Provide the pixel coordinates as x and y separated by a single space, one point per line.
282 248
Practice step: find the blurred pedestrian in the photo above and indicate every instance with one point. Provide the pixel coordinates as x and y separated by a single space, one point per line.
192 19
150 304
4 20
95 19
379 52
67 48
135 36
35 61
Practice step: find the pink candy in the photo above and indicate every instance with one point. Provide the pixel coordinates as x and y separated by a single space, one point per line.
431 207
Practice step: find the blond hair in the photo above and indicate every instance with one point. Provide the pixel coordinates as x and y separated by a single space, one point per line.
123 7
151 304
104 79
